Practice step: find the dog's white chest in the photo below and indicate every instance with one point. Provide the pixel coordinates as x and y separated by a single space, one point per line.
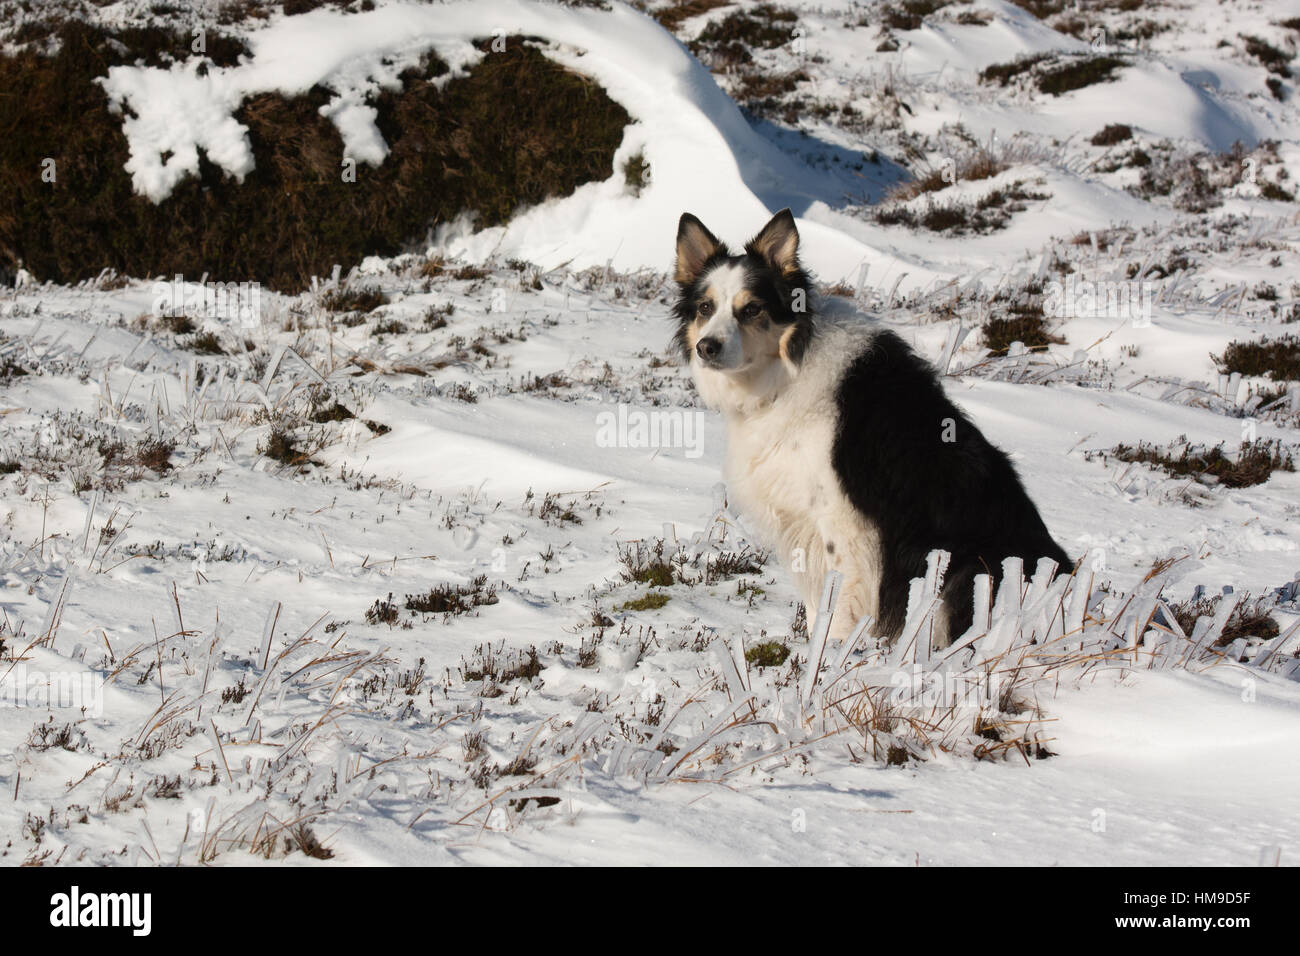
779 469
780 474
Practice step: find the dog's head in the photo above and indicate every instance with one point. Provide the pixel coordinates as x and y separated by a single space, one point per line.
742 316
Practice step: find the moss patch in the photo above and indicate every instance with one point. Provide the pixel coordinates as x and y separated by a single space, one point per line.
767 654
647 602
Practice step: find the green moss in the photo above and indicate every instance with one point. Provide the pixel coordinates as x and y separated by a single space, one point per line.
652 601
767 654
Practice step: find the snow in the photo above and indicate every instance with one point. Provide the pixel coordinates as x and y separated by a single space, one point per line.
168 611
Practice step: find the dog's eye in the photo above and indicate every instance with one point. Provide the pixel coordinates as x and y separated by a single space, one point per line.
750 311
706 308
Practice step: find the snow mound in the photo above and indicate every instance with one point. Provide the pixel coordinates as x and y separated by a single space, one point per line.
703 155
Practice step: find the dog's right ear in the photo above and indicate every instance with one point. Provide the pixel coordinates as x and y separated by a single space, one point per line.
695 244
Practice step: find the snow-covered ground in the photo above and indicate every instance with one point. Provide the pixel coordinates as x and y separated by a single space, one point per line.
241 688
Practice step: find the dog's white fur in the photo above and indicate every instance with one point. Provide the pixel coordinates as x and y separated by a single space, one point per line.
726 283
781 421
738 380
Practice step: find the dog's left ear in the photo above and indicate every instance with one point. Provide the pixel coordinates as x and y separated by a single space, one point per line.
778 243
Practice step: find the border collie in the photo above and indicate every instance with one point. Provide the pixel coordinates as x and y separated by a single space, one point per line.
841 445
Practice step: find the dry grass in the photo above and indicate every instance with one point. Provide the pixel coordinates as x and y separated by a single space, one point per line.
1111 134
976 165
1028 327
1249 619
1278 359
1252 465
657 564
678 11
729 42
989 213
1054 78
453 599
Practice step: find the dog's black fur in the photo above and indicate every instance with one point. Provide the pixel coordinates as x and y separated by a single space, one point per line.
922 492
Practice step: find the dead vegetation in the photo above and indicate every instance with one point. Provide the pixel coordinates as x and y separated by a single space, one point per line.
977 164
677 11
1199 182
1027 325
988 213
1252 465
1111 134
498 666
144 454
50 735
1270 57
659 564
1250 619
452 599
518 129
1277 359
361 298
729 42
1053 75
910 14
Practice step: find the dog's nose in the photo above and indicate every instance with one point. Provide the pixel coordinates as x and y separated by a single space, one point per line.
709 349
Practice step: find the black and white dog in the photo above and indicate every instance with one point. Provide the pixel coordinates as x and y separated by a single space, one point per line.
841 444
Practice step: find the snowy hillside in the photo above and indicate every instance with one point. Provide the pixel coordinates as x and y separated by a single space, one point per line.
431 561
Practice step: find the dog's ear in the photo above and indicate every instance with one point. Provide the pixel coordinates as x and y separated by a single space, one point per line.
777 244
695 244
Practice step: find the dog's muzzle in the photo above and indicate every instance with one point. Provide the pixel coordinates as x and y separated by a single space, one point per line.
710 351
